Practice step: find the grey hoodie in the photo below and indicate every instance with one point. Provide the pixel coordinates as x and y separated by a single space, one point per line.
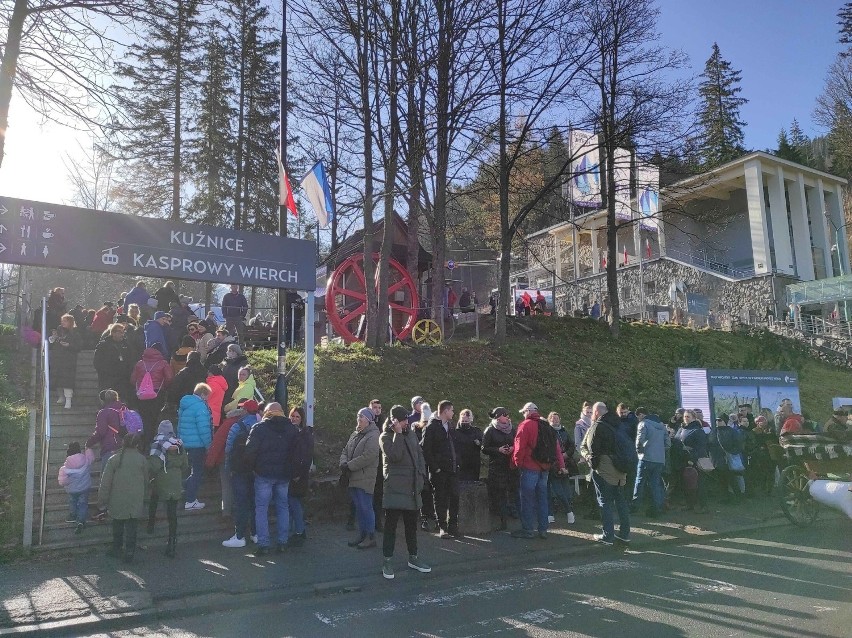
652 440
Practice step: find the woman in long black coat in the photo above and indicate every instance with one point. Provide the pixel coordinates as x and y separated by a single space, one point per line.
113 362
497 442
65 342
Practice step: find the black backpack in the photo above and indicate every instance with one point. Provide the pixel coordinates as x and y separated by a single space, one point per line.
240 463
545 445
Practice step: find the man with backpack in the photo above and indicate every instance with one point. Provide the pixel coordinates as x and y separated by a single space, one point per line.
239 467
536 449
609 453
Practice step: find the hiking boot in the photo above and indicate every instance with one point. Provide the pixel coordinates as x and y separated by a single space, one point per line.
234 542
603 540
622 539
420 566
571 519
261 550
357 541
387 569
297 540
368 542
522 533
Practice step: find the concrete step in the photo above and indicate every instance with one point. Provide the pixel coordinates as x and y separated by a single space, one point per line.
57 509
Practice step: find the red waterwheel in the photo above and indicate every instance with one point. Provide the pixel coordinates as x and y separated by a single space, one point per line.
346 299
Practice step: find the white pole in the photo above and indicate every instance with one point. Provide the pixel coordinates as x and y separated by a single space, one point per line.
309 359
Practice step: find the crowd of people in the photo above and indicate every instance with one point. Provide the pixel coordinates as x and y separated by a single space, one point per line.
179 400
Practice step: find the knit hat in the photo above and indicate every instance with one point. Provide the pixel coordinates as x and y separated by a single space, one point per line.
498 412
416 400
367 413
166 428
399 413
161 315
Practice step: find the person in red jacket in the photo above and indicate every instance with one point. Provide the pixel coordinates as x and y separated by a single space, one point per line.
533 473
103 318
155 364
217 382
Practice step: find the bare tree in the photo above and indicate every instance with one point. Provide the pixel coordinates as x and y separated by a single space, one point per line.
91 175
55 54
631 98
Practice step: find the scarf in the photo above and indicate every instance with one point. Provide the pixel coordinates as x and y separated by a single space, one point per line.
505 428
585 419
161 444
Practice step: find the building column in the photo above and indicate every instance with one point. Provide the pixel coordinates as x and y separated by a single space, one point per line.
822 239
596 258
557 258
801 232
757 217
780 224
834 202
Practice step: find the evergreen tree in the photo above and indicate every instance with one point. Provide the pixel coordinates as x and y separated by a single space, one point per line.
254 59
211 150
156 79
786 150
720 127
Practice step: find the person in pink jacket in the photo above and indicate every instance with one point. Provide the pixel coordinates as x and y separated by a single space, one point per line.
219 385
75 476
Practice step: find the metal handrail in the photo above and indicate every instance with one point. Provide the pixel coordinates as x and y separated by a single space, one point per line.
708 264
45 412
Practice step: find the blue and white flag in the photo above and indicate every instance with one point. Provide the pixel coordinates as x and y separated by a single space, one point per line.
315 185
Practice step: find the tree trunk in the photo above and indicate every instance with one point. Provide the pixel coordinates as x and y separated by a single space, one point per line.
176 165
384 310
238 195
415 148
8 67
503 186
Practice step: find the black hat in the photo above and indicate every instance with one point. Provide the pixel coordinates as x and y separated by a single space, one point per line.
498 412
399 413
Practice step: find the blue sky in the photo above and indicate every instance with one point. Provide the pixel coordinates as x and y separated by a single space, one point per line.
782 47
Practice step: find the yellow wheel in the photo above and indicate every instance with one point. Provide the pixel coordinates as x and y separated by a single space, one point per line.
426 333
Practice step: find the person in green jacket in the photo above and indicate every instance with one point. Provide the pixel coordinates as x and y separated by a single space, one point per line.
166 464
404 471
122 494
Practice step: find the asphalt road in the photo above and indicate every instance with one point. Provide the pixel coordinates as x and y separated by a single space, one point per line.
777 583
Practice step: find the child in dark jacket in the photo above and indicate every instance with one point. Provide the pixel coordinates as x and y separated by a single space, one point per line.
75 476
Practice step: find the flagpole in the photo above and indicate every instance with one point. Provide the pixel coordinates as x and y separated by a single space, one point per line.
281 380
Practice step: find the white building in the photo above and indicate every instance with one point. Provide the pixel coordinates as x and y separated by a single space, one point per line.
728 241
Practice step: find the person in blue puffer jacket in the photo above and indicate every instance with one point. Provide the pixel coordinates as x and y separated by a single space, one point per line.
195 429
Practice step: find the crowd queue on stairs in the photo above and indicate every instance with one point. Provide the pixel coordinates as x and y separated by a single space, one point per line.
177 400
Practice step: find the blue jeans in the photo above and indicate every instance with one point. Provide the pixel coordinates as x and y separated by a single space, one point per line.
78 506
242 486
607 495
364 511
196 456
649 476
297 514
534 499
561 490
265 489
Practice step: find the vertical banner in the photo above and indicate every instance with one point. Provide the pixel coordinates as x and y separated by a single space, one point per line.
621 167
585 169
648 195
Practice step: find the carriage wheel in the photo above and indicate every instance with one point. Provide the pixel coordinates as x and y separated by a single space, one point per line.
427 332
346 299
796 501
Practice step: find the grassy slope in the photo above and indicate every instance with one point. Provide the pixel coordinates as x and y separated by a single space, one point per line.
13 452
560 364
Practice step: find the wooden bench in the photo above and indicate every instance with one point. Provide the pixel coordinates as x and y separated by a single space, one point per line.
259 338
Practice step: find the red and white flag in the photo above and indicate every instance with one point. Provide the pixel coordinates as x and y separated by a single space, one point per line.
625 254
648 247
285 193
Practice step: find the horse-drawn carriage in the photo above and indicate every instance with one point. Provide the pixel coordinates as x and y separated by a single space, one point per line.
818 472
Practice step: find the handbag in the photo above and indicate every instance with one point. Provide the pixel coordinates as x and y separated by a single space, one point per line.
705 464
343 481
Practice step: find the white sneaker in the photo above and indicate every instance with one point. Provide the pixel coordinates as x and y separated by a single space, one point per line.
234 542
253 538
193 505
551 519
571 519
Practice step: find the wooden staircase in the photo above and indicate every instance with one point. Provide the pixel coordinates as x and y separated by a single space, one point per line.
77 424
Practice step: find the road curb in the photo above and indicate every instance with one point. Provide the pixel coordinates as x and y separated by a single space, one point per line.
165 609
